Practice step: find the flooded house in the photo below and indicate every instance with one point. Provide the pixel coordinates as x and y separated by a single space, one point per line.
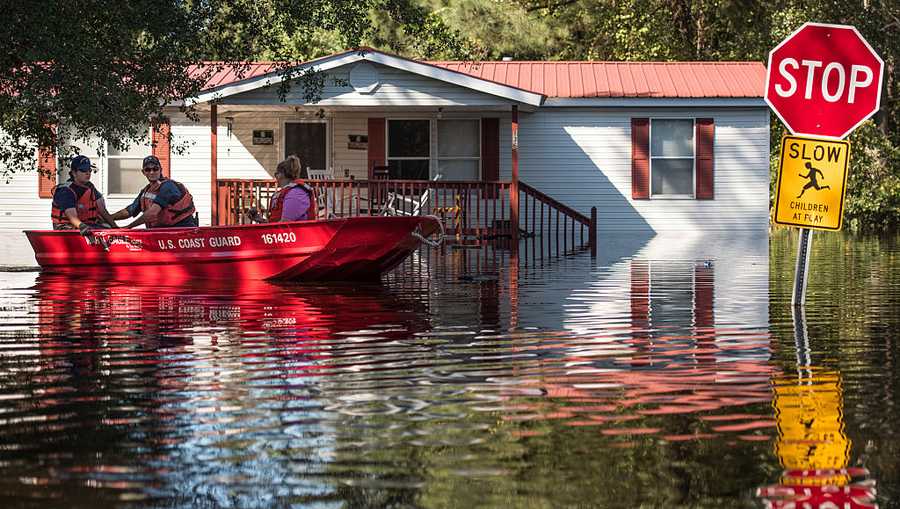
654 147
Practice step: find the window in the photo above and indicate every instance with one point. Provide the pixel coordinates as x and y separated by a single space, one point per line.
459 149
123 169
672 158
409 147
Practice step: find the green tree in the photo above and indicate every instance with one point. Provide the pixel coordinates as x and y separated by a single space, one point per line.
103 68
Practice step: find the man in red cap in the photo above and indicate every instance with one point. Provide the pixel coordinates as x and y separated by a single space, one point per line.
163 203
77 203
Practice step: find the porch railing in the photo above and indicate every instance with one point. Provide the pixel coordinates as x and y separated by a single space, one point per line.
471 211
555 222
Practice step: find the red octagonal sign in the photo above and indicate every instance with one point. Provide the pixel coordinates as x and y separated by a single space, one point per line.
824 80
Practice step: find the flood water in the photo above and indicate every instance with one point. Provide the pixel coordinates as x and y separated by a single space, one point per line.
669 372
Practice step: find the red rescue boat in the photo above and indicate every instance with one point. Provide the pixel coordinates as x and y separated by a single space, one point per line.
333 249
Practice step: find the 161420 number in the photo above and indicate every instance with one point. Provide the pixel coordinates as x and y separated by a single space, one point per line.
278 238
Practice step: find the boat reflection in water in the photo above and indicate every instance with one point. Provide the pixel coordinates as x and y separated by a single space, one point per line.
812 443
255 313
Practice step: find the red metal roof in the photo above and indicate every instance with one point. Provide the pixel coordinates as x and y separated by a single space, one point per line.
225 74
586 79
623 79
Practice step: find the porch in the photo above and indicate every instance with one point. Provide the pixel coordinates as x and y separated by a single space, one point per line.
472 212
395 136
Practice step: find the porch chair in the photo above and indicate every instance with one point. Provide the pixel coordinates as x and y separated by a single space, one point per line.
323 202
398 205
324 174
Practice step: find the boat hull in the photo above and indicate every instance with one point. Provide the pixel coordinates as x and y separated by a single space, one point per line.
344 248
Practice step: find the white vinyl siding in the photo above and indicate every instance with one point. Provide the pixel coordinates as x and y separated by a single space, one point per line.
191 166
582 157
397 88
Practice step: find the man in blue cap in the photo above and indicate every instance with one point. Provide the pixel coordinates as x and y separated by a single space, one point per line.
77 203
163 203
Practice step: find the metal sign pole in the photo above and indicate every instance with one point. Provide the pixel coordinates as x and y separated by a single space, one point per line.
801 272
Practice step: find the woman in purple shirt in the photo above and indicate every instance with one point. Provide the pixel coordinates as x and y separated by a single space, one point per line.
292 201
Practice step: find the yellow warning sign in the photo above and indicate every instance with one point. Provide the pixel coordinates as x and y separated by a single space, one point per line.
812 178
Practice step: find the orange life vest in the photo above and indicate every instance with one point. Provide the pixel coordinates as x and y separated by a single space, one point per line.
276 204
171 214
86 206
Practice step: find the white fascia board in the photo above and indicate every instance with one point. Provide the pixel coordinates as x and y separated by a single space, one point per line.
684 102
274 77
431 71
457 78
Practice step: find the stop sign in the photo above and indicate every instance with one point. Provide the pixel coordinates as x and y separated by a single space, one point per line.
824 80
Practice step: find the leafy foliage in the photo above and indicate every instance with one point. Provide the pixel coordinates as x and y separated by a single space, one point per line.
102 68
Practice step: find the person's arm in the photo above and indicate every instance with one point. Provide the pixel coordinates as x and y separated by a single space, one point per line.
131 210
149 216
65 199
81 226
101 208
72 216
137 222
121 214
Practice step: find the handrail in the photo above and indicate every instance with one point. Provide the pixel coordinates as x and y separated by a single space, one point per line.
541 197
558 222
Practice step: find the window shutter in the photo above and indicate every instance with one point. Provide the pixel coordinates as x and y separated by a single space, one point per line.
490 152
46 160
376 145
640 158
159 132
705 180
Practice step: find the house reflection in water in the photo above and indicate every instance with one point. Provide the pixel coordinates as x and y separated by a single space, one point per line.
671 283
662 327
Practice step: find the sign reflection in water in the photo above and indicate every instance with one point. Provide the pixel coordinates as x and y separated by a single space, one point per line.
812 444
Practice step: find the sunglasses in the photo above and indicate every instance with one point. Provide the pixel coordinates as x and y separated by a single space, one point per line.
87 170
150 169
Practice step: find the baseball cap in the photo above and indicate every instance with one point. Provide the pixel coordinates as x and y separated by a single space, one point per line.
81 163
151 161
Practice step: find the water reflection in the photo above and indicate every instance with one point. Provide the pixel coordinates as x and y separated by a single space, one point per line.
656 376
812 444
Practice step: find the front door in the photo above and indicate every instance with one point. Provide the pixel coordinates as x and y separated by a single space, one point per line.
307 141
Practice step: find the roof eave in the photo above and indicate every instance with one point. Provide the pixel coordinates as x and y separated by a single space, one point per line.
351 56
